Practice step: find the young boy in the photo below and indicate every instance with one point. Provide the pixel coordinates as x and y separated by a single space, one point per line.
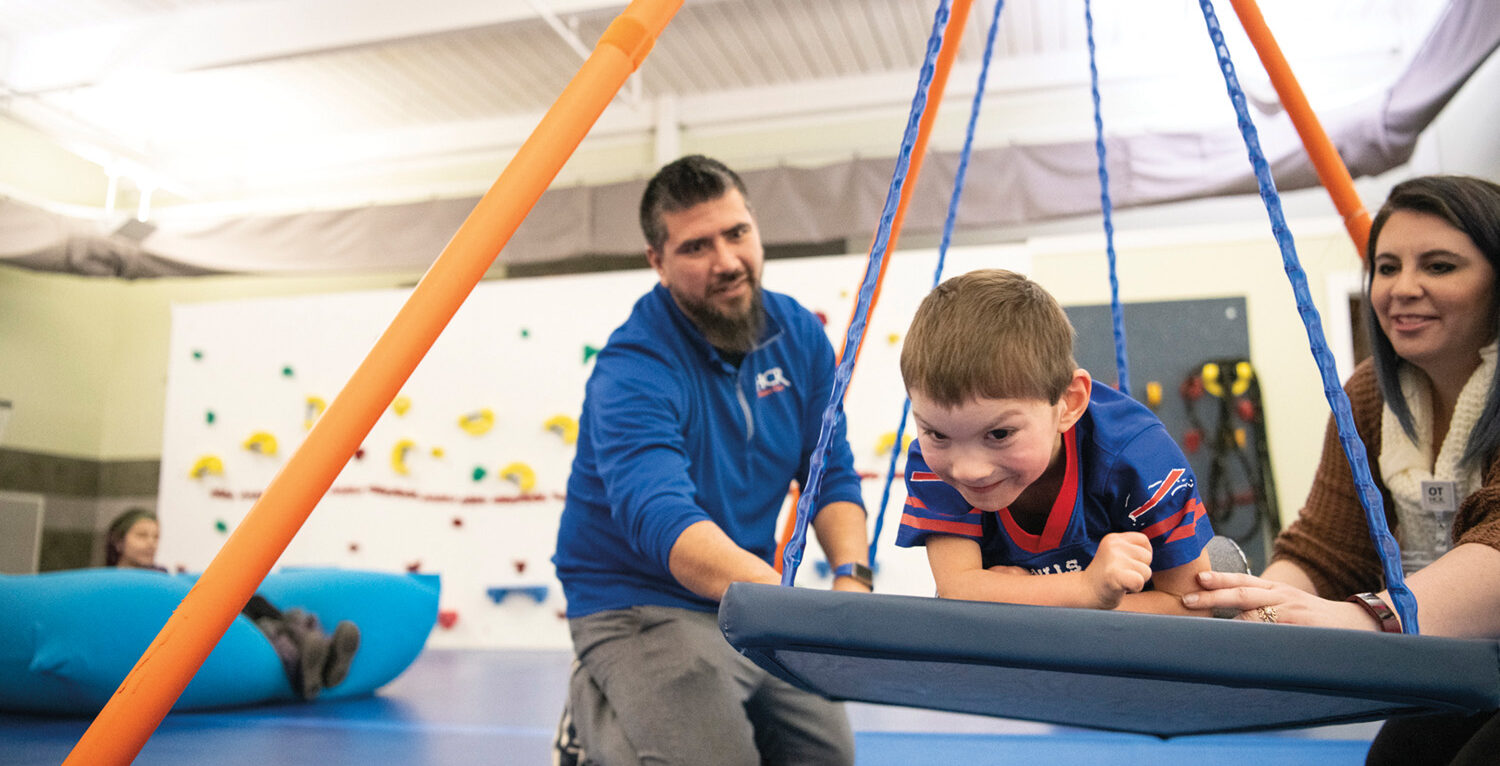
1023 467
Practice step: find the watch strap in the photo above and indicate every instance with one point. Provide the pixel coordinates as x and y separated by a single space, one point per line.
1381 611
861 573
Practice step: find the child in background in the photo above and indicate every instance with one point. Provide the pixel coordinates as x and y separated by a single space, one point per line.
1022 467
312 660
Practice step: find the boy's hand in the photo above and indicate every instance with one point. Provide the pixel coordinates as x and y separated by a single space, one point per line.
1122 564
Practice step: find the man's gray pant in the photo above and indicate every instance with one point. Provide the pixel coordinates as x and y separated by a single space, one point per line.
660 685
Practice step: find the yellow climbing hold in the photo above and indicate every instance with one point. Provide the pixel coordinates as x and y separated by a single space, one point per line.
206 465
521 474
315 407
477 422
398 455
262 442
883 447
401 405
563 426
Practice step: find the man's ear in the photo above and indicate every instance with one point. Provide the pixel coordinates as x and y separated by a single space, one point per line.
653 257
1075 398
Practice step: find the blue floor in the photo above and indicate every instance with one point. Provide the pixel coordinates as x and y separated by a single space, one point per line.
465 707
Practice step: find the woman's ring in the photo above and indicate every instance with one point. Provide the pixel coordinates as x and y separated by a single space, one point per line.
1267 613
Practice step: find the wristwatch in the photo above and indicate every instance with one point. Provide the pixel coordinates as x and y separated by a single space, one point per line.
858 571
1382 612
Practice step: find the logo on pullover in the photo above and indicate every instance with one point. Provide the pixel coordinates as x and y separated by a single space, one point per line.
770 382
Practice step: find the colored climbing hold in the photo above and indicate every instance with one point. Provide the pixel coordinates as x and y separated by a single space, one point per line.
589 352
209 417
447 618
398 455
354 547
221 527
479 472
521 474
287 371
892 338
888 442
538 593
520 565
525 333
437 452
458 522
206 465
478 422
1153 394
359 454
1192 440
314 408
414 567
400 405
564 426
197 355
822 318
262 442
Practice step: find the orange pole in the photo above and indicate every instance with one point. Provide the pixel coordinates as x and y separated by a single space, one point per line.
947 54
957 18
1325 157
121 729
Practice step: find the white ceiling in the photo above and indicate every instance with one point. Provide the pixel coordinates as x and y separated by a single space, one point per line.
240 106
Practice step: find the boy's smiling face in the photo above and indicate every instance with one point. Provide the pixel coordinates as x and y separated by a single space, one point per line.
991 450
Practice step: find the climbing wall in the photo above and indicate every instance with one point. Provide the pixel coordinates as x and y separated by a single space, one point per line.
464 473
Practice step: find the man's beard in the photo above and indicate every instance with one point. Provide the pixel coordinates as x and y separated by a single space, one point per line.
735 333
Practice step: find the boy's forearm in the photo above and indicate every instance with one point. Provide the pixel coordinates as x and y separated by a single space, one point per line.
1065 589
1158 602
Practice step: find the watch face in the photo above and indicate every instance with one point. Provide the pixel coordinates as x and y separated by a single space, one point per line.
859 572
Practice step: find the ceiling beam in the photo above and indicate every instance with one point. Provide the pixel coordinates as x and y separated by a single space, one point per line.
224 34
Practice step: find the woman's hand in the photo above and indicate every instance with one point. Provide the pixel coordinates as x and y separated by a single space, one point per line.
1261 600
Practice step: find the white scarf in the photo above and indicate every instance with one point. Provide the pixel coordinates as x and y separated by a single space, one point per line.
1427 534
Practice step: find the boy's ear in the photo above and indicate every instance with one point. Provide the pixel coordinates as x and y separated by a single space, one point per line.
1075 398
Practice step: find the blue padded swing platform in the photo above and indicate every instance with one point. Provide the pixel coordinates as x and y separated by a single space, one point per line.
1139 673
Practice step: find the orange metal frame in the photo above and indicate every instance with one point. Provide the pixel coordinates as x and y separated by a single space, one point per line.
1325 157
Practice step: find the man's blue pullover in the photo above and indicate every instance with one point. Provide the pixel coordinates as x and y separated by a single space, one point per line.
672 434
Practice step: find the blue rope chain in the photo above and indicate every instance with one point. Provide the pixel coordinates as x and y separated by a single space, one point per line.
1354 449
1116 312
792 556
937 274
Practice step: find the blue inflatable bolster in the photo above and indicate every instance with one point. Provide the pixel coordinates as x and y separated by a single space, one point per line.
67 639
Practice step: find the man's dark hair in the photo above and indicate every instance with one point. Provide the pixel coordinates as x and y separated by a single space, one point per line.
681 184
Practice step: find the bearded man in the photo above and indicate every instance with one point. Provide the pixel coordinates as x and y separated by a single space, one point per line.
701 409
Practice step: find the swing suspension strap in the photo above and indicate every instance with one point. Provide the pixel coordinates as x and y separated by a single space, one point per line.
1354 449
792 555
937 274
1122 365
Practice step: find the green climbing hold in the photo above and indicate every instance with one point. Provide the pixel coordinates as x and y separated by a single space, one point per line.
479 472
525 333
209 416
221 526
197 354
589 352
287 371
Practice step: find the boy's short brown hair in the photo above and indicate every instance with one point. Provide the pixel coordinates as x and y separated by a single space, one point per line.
990 334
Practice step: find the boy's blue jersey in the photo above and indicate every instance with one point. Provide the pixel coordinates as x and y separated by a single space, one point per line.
1124 474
